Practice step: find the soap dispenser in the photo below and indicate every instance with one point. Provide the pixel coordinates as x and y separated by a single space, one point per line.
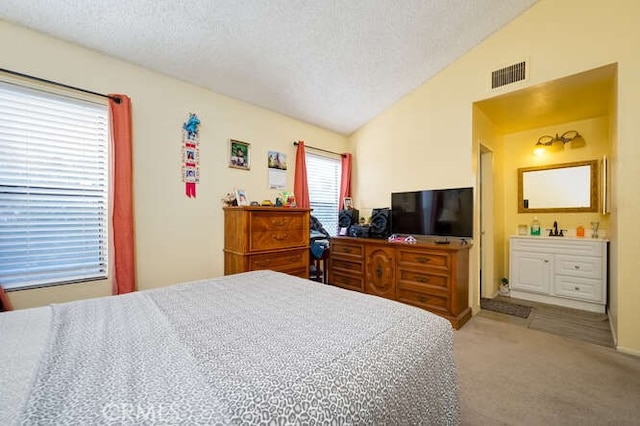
535 227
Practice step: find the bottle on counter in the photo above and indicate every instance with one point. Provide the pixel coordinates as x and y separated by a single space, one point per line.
580 231
535 227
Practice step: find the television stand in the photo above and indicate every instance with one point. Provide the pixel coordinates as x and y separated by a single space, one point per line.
424 274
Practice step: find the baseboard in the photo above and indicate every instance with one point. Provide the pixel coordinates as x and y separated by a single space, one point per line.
615 340
628 351
475 309
613 330
493 295
559 301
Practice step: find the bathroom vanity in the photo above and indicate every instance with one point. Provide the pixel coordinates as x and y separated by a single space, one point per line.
565 271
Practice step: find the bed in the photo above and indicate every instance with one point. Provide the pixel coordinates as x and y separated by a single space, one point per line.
254 348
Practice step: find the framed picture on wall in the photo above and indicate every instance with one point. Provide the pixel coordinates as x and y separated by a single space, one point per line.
239 154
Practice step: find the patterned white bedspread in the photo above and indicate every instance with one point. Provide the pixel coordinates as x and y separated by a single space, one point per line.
254 348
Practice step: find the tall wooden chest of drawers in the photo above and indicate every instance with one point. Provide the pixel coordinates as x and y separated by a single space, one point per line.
275 238
430 276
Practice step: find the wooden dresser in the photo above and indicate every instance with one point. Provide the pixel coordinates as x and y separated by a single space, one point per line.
431 276
275 238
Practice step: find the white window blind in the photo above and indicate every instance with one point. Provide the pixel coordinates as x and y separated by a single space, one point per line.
53 188
323 175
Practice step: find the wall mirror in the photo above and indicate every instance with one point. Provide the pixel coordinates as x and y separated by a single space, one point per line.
568 187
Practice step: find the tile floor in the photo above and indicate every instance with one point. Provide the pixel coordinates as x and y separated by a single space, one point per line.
572 323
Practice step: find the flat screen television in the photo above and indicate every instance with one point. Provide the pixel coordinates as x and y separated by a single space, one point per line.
438 212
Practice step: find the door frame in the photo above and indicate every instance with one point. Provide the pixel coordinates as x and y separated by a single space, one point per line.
487 284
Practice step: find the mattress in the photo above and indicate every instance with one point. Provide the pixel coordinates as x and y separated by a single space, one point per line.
254 348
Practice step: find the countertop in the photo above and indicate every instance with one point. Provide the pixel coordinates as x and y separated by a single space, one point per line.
571 237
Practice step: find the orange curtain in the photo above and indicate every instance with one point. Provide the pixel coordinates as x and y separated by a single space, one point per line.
123 236
345 180
5 303
300 182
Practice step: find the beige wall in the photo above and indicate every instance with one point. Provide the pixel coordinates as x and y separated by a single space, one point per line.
519 153
178 238
431 128
488 137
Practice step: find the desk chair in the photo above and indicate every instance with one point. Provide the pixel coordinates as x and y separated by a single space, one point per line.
319 268
318 251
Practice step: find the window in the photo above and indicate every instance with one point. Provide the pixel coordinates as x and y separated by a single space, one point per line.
323 174
53 188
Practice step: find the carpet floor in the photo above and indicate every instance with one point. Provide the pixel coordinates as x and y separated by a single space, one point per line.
513 375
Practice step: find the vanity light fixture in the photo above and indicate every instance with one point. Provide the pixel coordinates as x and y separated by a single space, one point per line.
557 143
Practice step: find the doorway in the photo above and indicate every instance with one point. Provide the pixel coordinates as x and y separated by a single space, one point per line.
506 129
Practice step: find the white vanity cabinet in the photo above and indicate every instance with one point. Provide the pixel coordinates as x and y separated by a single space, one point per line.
570 272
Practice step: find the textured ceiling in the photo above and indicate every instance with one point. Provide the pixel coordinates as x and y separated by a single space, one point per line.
332 63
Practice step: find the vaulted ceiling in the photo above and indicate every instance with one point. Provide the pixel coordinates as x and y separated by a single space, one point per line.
335 63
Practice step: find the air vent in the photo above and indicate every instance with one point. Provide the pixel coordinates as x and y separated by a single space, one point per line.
509 75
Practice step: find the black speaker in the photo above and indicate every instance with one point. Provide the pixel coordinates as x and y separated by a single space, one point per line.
361 231
348 217
380 226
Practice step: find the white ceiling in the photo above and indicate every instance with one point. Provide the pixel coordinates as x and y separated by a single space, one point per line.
332 63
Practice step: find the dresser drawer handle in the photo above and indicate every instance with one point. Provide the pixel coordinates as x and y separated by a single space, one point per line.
576 266
576 288
267 262
422 299
422 279
422 259
281 222
279 237
347 250
546 261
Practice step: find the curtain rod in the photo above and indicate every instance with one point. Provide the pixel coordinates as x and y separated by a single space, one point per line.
55 83
320 149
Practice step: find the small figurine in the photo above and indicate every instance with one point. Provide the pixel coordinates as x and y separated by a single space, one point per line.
229 200
191 126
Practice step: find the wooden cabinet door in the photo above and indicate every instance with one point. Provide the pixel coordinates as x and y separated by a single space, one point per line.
531 271
380 271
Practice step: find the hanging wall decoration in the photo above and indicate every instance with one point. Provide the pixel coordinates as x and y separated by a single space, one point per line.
277 164
191 154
